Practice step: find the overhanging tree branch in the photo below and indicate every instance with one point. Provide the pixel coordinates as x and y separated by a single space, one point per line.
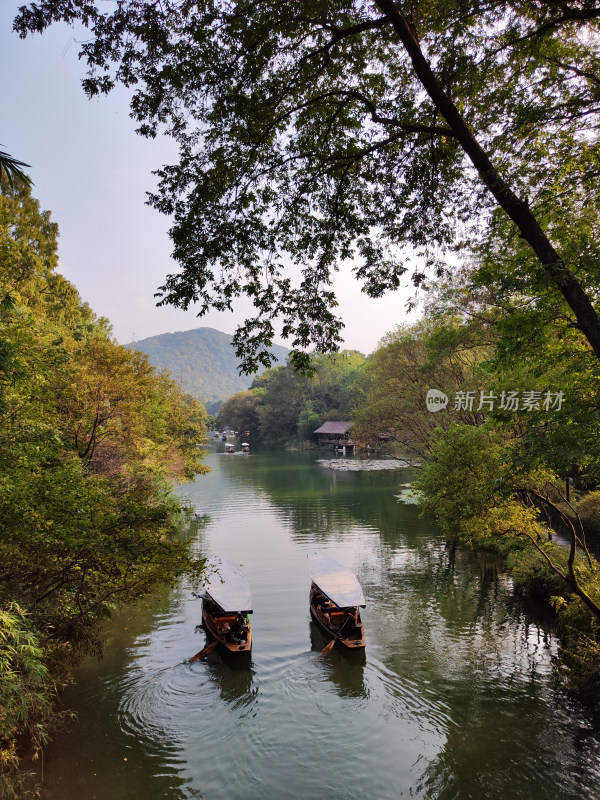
518 210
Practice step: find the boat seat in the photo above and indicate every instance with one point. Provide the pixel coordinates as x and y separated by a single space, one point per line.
220 622
336 617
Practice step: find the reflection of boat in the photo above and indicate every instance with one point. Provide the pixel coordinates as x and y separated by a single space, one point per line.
245 447
335 599
347 669
233 674
227 605
229 448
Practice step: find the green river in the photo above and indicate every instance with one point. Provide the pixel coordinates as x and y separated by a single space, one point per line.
454 697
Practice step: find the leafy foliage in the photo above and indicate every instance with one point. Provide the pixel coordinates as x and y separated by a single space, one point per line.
91 437
588 509
583 659
434 353
532 346
25 694
284 405
11 170
240 412
320 135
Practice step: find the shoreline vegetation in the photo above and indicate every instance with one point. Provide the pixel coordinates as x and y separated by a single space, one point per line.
91 439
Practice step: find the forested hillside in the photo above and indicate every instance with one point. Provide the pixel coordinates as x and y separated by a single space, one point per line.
203 361
91 436
283 405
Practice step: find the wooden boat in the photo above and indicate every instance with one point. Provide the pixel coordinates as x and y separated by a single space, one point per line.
245 447
229 448
227 605
335 599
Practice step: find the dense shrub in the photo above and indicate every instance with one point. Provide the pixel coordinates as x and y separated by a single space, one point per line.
588 509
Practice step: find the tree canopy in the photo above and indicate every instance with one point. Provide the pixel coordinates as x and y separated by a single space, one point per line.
284 405
317 135
91 437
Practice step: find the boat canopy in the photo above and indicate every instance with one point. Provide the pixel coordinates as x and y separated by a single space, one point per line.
336 581
228 586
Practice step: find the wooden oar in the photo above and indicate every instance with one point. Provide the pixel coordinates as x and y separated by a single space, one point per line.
328 648
204 652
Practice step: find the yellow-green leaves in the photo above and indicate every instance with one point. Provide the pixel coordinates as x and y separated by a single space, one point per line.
91 437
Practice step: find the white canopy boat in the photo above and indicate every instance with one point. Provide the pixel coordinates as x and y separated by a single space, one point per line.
335 599
227 605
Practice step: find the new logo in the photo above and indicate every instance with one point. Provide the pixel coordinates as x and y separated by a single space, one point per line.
436 400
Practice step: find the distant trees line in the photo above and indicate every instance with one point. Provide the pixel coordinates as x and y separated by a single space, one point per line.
283 405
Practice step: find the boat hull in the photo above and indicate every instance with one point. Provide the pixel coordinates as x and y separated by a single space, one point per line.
222 627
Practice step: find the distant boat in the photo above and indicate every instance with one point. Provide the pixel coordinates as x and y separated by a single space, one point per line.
224 437
229 448
227 605
335 598
245 447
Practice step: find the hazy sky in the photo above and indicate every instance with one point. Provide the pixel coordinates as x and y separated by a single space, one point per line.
92 172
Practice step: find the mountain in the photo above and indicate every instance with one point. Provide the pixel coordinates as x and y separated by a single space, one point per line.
203 361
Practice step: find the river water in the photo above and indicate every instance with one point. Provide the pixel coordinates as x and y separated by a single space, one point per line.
454 697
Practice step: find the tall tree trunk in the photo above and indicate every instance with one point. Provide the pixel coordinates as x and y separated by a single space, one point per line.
518 210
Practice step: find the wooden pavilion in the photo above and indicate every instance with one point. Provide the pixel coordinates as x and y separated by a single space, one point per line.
335 434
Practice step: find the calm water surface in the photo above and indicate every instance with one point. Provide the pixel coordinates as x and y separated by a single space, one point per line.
455 696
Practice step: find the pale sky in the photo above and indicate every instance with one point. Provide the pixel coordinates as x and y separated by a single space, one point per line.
92 172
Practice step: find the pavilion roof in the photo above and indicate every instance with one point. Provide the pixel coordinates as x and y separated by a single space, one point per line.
334 427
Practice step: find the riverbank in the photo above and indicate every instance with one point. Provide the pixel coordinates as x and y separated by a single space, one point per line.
504 508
